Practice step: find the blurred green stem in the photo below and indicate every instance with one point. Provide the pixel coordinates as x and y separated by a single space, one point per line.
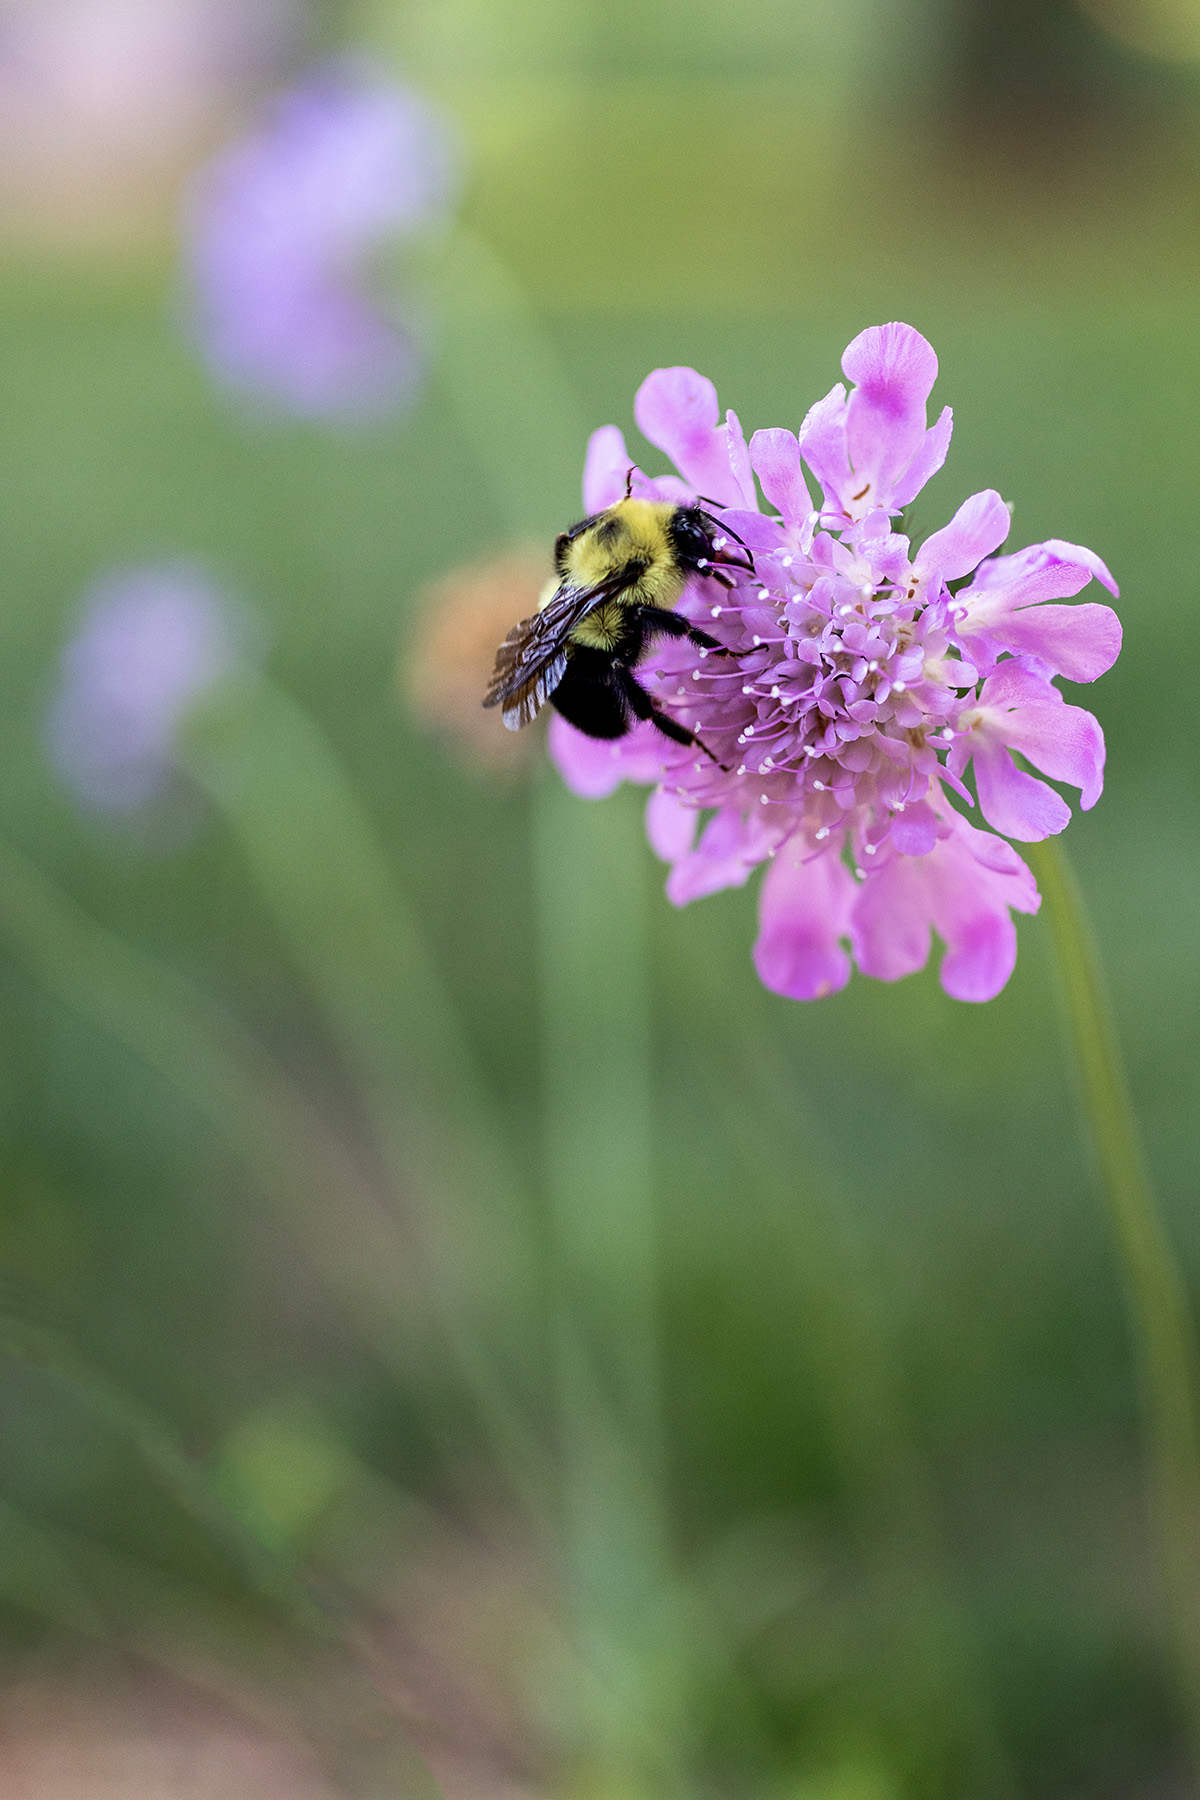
599 1169
516 408
1159 1311
340 909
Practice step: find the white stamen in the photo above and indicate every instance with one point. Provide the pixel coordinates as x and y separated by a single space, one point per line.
786 561
695 677
720 543
899 687
823 833
764 593
757 642
747 690
703 563
741 766
775 692
749 731
716 612
872 667
871 849
845 611
765 799
820 787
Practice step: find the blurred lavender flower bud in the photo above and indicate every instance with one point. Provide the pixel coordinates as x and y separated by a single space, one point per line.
151 643
281 231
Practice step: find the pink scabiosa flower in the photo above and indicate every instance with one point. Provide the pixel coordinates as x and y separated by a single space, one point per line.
868 675
282 231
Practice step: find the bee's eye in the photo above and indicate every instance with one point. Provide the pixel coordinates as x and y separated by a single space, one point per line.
692 541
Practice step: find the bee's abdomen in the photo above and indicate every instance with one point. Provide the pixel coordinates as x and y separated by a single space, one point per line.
606 629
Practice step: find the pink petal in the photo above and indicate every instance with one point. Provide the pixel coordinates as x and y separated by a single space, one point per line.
1078 553
981 957
928 460
723 858
974 879
894 369
1016 803
605 470
1080 642
980 526
596 767
739 461
823 445
964 889
1011 582
776 458
804 912
890 920
670 825
676 409
914 831
1064 742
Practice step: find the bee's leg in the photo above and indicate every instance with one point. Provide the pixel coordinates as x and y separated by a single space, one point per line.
673 624
643 707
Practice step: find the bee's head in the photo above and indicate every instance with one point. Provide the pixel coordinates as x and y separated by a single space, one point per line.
691 536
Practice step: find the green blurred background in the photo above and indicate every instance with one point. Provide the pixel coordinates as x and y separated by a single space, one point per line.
898 1506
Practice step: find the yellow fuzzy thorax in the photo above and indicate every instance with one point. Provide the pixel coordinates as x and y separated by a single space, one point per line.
633 535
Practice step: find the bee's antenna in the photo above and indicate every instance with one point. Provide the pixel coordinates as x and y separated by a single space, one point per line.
629 482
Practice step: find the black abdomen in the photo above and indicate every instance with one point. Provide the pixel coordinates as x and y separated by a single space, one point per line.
590 695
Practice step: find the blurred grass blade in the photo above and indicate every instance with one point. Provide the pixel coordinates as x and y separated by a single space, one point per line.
597 1076
1160 1315
517 410
328 1701
513 401
932 1685
316 860
348 1230
181 1476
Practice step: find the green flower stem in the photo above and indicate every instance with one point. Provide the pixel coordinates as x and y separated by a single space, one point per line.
1159 1312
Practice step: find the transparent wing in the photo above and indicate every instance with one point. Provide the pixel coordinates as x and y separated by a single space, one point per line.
532 660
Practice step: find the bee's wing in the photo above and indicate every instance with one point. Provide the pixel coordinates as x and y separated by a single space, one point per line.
532 660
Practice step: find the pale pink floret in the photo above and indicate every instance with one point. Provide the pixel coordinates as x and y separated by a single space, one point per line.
867 678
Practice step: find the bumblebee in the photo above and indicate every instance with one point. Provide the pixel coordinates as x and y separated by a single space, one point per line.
619 574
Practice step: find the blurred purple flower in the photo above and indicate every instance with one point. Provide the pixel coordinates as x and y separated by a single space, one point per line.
866 675
151 643
282 228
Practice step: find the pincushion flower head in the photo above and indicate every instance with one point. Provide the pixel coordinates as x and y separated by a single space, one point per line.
869 676
284 225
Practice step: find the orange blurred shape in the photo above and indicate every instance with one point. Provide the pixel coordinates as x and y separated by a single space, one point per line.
461 621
